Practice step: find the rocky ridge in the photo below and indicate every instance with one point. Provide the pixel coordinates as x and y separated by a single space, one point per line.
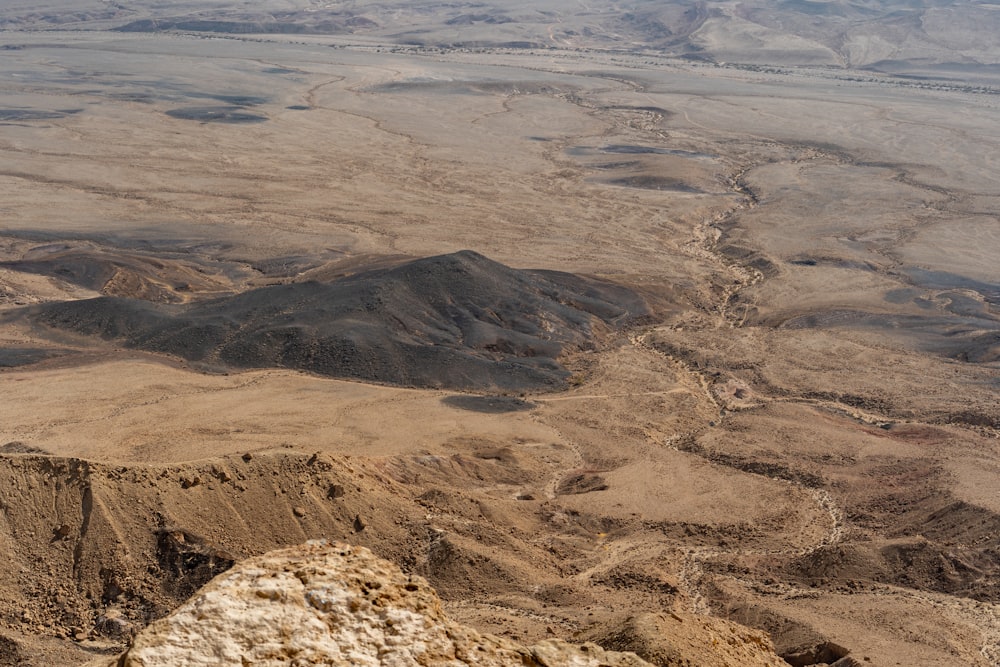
97 551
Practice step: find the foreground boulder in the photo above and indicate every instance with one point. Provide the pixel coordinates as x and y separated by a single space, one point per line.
332 604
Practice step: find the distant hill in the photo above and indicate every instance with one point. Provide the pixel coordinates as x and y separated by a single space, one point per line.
458 320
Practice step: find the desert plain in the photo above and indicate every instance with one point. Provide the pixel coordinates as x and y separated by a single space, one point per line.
577 310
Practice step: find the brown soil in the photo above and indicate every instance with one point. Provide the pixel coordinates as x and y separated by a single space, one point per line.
803 437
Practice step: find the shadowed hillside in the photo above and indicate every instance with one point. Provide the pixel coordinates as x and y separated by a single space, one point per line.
458 320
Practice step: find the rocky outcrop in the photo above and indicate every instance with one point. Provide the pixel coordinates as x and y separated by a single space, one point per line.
332 604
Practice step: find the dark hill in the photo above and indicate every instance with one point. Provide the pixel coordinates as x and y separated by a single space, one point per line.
458 320
168 277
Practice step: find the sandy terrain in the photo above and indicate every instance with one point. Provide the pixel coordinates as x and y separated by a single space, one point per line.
802 437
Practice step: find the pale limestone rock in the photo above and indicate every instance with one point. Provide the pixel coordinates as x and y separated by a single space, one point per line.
322 604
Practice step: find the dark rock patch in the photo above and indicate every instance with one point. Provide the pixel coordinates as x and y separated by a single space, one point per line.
14 115
610 166
469 19
238 100
217 114
24 356
627 149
